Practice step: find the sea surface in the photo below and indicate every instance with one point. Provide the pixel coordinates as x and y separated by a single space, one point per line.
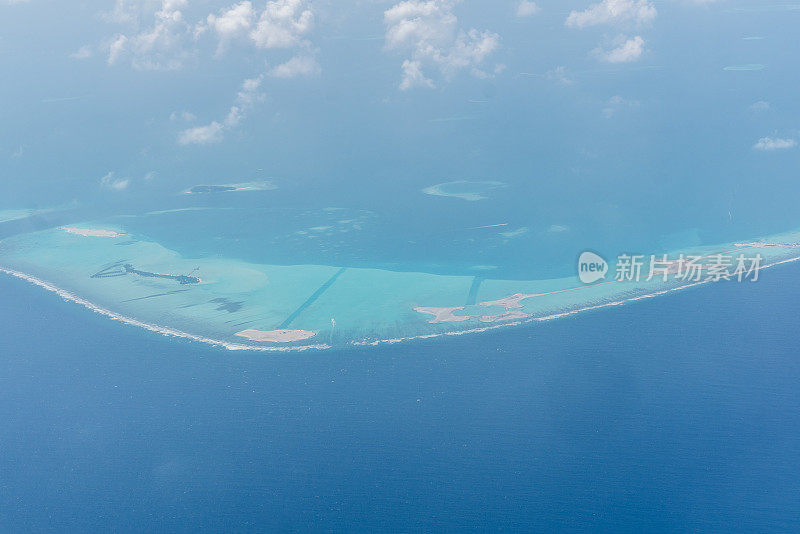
340 209
671 414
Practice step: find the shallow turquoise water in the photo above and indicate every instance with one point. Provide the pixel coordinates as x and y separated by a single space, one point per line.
195 291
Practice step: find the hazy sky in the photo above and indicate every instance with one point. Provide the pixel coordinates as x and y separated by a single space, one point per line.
674 103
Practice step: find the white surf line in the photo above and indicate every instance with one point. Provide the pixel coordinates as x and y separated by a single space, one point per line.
576 311
487 226
741 246
166 331
170 332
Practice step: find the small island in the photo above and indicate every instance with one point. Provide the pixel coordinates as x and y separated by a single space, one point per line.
278 336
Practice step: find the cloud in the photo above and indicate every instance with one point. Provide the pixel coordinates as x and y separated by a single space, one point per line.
116 48
484 75
559 75
759 106
232 23
428 32
168 40
616 104
115 184
215 130
162 46
296 66
413 76
159 37
83 52
625 51
183 115
613 12
769 144
124 12
202 135
526 9
281 24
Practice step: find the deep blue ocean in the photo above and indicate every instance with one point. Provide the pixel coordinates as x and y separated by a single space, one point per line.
667 415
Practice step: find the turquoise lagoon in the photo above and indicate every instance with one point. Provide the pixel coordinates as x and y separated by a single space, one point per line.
112 268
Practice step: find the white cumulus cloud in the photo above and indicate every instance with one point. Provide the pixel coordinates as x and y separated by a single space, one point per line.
296 66
612 12
158 35
625 50
526 9
161 46
428 33
202 135
559 75
413 76
232 23
109 181
83 52
761 105
215 130
768 144
183 115
281 24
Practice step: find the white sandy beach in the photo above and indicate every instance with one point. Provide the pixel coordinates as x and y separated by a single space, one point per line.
277 336
91 232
